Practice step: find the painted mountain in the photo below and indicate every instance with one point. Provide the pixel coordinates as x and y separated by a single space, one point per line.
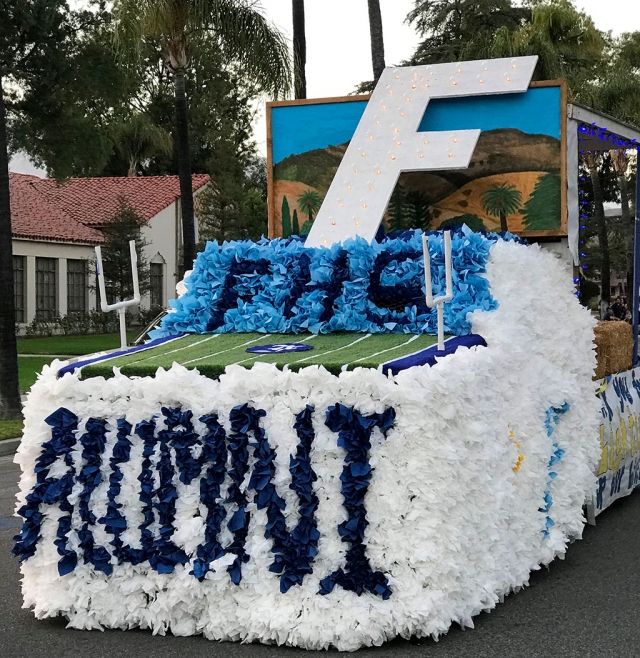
513 182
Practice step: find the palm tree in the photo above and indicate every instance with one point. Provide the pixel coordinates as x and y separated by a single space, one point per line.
309 202
299 49
565 39
243 35
138 139
10 406
377 39
500 201
592 162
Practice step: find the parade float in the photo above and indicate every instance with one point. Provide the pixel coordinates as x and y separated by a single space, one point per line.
330 441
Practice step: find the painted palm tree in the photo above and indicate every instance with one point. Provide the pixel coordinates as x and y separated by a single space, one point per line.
299 49
377 39
500 201
244 37
309 203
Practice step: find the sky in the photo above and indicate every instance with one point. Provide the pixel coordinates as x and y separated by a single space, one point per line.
338 47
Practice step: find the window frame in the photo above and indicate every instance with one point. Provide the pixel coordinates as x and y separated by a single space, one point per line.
44 313
20 288
77 291
156 290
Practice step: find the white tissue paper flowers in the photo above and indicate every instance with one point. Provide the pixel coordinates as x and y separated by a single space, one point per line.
313 510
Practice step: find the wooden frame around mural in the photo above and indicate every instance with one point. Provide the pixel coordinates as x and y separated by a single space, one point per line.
275 230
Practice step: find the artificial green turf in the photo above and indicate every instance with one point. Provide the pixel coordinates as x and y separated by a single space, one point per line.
71 345
212 353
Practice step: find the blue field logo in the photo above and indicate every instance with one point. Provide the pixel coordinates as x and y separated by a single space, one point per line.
282 348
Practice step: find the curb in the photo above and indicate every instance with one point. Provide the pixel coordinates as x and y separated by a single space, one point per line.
9 447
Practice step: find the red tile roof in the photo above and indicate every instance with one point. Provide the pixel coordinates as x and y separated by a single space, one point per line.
71 211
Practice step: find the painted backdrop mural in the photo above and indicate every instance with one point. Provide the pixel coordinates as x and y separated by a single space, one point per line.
515 181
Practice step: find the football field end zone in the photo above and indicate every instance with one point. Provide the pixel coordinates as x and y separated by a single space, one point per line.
211 354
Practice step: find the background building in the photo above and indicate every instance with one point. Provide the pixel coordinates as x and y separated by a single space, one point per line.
56 226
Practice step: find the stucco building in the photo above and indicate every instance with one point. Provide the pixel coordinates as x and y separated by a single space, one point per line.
56 226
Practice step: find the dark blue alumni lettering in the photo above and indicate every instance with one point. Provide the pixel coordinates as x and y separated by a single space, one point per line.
49 490
354 435
173 449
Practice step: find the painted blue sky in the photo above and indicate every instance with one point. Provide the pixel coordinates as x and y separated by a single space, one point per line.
300 128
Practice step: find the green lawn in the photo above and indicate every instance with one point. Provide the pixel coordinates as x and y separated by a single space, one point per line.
10 429
28 368
72 345
211 353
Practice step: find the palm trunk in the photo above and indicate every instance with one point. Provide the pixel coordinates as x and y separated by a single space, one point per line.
377 39
603 239
503 222
629 225
184 173
299 49
10 406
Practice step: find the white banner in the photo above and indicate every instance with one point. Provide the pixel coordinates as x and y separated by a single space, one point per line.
619 467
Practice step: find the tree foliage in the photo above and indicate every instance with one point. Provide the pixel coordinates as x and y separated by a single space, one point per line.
309 202
543 209
286 218
407 210
125 226
235 209
454 30
34 37
501 201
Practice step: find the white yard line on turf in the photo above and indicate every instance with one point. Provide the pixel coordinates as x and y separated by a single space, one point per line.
323 354
186 347
113 354
390 349
255 356
200 358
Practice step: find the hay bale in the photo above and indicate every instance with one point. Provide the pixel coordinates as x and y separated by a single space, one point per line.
614 347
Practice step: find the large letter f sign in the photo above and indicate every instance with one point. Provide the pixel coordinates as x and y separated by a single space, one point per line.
386 141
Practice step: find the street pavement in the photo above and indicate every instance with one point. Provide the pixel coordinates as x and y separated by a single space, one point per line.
585 605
